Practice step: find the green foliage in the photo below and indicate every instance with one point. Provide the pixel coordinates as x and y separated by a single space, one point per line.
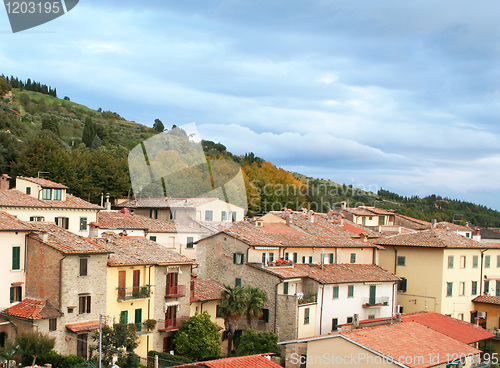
89 132
50 123
253 342
61 361
198 338
31 345
233 305
4 86
255 299
119 339
168 360
158 126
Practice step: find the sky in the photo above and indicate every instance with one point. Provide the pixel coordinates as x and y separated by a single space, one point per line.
390 94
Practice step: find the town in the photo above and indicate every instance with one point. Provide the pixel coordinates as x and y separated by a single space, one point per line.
356 286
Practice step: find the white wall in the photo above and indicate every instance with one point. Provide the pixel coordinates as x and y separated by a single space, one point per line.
9 239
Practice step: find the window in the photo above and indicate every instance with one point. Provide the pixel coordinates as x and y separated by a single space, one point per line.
401 261
332 258
307 259
498 288
449 289
335 323
474 288
83 223
46 194
237 282
371 316
233 217
350 291
70 309
349 319
287 256
450 261
335 292
16 258
81 345
190 241
84 304
295 258
173 214
57 194
28 190
402 284
52 324
209 215
475 261
306 316
264 317
267 258
152 238
487 286
353 257
239 258
124 317
463 261
285 288
461 288
218 313
498 261
487 261
62 222
153 213
138 319
16 294
461 315
37 218
83 266
225 216
467 235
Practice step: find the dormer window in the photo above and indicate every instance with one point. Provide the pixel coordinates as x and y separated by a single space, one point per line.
57 194
46 193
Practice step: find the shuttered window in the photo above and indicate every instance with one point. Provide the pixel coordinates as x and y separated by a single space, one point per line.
16 258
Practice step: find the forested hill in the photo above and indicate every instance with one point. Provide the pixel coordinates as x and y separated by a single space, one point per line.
87 150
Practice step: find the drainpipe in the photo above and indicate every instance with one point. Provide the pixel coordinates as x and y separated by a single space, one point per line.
60 281
276 307
395 260
321 310
481 277
149 305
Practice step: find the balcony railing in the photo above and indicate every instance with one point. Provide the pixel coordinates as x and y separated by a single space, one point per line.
175 291
375 302
136 292
170 324
307 298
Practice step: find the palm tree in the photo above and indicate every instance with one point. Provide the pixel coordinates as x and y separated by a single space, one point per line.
255 299
233 305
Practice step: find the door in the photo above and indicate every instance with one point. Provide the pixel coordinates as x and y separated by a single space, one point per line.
138 319
136 282
170 316
373 291
172 283
122 277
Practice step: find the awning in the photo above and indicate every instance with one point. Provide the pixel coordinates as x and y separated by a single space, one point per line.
83 326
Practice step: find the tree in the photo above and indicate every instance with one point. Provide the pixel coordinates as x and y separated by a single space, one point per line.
4 86
31 345
255 299
253 342
119 339
89 132
233 306
158 126
50 123
198 338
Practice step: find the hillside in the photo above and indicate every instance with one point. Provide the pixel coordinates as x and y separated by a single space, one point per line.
87 150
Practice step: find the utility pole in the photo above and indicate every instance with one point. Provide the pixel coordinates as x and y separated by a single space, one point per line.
100 340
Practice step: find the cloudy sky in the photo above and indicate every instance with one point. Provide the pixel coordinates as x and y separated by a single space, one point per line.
394 94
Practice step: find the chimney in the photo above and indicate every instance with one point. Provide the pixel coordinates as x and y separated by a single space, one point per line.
287 216
342 216
355 322
342 205
398 317
310 216
477 234
107 205
44 237
433 223
364 237
125 211
4 182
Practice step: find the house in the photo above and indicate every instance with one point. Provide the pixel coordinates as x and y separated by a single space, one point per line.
487 309
410 222
65 274
169 234
184 210
249 361
369 216
459 229
13 252
38 199
441 271
408 344
149 286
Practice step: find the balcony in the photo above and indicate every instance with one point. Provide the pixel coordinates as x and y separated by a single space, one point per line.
307 298
136 292
175 291
170 324
375 302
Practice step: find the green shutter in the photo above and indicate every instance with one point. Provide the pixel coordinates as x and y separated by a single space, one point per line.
295 258
234 258
373 291
306 316
138 319
237 282
271 257
242 258
335 292
11 294
16 258
332 258
124 317
285 288
287 256
498 288
190 240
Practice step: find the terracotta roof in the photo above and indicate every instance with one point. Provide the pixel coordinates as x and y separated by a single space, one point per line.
116 220
45 183
249 361
166 202
489 299
14 198
10 223
453 227
404 341
335 273
457 329
83 326
134 250
33 309
368 211
419 224
64 240
433 238
489 234
205 290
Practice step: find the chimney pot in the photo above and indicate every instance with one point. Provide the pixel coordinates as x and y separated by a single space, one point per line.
355 322
4 182
433 223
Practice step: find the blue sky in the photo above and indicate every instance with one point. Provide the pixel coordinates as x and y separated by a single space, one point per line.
392 94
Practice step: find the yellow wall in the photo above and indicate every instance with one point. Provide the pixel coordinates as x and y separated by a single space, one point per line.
306 330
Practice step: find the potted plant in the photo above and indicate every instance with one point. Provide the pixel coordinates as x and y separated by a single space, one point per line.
150 324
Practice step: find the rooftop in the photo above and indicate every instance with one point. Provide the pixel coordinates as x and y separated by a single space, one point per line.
64 240
134 250
433 238
14 198
335 273
83 326
10 223
450 226
166 202
33 309
45 183
368 211
249 361
205 290
488 299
